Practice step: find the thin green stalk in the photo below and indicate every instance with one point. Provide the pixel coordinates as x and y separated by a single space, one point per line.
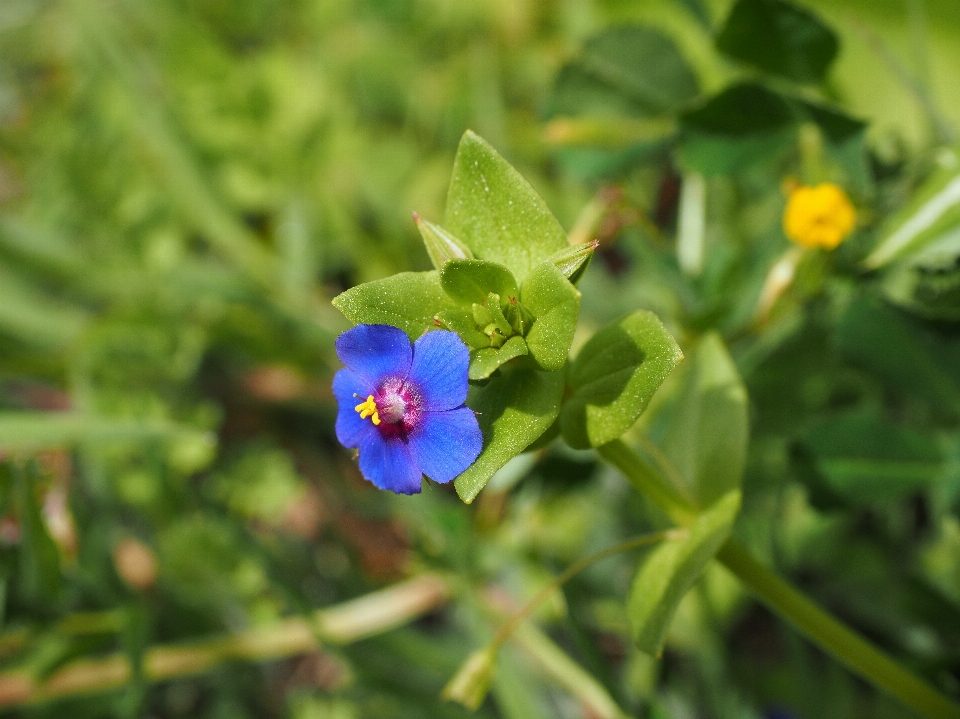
648 482
859 655
557 665
834 637
508 628
470 685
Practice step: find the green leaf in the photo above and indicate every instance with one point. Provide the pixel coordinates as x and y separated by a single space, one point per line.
925 363
34 316
928 290
739 110
629 70
780 38
714 156
462 322
32 431
922 248
487 361
929 221
554 303
497 213
409 300
845 139
39 573
470 685
709 429
614 377
469 281
667 573
573 261
867 460
743 124
499 319
441 245
514 410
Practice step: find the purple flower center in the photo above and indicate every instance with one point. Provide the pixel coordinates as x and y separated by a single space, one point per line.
400 406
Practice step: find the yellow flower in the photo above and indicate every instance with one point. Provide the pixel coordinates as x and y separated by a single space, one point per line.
820 216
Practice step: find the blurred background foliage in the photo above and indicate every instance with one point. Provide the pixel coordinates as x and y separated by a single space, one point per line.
184 185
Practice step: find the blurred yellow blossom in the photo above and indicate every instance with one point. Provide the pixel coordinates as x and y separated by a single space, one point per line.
820 216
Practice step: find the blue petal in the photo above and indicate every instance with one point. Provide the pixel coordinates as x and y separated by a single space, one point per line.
350 428
446 443
439 369
387 463
375 352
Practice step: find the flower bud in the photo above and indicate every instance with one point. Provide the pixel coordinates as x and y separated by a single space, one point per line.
469 686
441 245
135 563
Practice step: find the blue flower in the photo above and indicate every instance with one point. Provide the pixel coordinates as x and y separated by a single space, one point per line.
403 407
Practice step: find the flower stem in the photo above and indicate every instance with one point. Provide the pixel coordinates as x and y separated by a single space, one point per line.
469 686
503 634
852 650
835 638
557 665
648 482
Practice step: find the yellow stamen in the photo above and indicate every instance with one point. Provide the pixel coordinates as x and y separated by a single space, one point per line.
368 408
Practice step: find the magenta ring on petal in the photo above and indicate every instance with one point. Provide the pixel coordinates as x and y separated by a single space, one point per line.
403 407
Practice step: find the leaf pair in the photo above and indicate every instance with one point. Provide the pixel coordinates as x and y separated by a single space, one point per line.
504 283
748 121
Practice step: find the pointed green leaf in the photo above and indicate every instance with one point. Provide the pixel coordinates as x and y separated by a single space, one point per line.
39 559
667 573
746 108
487 361
929 222
845 139
554 303
499 319
780 38
614 377
742 124
625 70
497 213
469 281
514 410
409 300
441 245
573 261
708 432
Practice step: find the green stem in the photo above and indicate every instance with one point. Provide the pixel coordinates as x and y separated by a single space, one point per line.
503 634
847 646
558 666
649 482
859 655
469 686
